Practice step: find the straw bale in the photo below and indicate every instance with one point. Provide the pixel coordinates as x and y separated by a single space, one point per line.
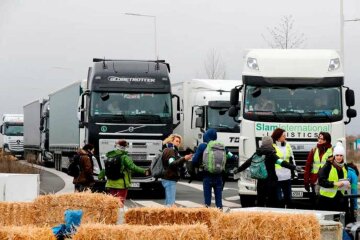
26 233
135 232
266 225
97 207
16 213
169 216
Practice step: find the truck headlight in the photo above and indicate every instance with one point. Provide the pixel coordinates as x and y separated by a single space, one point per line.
334 64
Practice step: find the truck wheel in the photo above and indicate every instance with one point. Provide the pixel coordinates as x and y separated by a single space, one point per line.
247 200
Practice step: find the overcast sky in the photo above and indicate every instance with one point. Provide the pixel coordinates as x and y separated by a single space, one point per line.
48 44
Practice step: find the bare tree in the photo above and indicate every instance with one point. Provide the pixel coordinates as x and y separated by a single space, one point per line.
214 66
284 36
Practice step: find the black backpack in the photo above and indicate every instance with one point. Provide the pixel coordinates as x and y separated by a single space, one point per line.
74 166
113 168
157 168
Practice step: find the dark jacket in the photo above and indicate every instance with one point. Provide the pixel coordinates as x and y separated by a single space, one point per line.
270 160
311 178
171 162
85 177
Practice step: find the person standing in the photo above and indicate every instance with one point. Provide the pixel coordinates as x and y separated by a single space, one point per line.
284 175
334 182
267 193
210 180
353 174
85 179
315 160
172 161
119 187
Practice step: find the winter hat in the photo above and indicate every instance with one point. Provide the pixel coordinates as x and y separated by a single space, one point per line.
266 141
339 149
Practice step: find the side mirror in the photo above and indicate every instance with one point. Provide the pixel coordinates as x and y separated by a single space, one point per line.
350 97
234 96
351 113
233 111
199 123
177 101
1 129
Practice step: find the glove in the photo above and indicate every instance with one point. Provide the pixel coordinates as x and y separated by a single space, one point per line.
307 187
299 169
147 172
235 170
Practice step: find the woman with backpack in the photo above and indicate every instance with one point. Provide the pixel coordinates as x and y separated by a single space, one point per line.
119 174
267 187
85 179
172 161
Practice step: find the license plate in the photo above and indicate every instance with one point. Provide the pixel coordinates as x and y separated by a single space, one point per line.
297 194
135 185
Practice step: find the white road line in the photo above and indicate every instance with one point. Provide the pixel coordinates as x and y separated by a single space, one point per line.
233 198
149 203
189 204
228 204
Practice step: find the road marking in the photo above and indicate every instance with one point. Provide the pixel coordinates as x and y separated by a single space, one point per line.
149 203
228 204
233 198
189 204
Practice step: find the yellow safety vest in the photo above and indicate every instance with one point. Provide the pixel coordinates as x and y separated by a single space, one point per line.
317 164
280 154
333 177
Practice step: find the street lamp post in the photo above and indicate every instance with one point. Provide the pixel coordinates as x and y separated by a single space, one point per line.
155 35
342 35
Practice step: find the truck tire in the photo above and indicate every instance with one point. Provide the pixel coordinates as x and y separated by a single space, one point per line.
247 200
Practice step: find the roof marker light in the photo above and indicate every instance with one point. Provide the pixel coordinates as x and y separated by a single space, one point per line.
334 64
252 63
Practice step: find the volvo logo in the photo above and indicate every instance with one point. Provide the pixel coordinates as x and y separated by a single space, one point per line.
103 128
131 129
18 141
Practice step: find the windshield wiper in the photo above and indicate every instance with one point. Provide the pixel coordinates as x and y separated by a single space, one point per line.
293 112
321 114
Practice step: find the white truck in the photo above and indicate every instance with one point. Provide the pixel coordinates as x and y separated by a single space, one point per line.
12 131
204 104
295 81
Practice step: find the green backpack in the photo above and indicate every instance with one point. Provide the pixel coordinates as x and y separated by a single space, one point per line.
257 167
214 157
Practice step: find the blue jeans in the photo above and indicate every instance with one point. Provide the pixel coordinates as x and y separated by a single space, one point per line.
170 191
209 182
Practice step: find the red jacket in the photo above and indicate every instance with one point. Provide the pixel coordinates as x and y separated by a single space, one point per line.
311 178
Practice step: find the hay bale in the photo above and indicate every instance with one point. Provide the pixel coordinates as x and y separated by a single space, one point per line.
26 233
16 213
266 225
170 216
97 208
135 232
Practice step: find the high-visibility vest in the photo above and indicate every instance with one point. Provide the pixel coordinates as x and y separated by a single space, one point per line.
280 154
317 164
333 177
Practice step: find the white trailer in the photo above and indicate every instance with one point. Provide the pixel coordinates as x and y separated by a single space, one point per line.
12 131
294 80
204 104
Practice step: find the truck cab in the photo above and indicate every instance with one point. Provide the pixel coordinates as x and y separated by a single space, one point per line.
300 91
12 131
131 100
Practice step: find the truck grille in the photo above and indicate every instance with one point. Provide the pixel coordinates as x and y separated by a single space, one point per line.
16 145
300 159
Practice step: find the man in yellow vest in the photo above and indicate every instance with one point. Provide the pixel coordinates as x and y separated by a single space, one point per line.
334 182
316 159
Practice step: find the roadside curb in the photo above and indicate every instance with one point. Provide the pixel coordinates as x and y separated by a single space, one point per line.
69 186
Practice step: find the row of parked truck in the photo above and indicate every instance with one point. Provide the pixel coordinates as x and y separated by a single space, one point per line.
132 100
135 100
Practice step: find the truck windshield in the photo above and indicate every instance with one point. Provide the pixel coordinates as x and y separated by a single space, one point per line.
14 130
219 119
300 104
125 106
